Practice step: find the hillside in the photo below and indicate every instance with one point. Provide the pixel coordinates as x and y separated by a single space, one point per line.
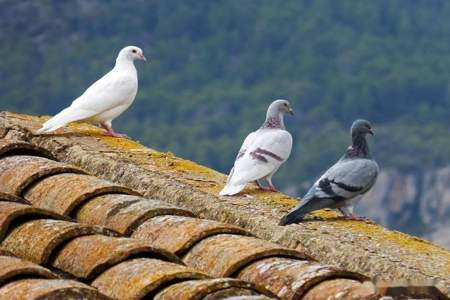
216 65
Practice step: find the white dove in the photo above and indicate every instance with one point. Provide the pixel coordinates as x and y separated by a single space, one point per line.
106 98
263 151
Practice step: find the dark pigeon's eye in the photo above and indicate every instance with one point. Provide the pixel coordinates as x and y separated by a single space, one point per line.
134 51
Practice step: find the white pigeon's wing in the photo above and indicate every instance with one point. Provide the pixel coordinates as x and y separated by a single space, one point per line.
247 143
267 151
112 90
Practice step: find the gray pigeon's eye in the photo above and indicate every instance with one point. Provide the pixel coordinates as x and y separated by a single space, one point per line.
134 51
285 104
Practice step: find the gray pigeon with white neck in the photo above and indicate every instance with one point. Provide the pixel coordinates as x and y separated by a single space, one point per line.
105 99
263 151
343 185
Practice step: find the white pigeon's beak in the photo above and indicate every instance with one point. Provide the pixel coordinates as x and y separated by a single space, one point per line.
142 57
291 111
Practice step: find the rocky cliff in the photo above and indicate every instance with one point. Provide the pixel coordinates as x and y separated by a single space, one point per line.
413 202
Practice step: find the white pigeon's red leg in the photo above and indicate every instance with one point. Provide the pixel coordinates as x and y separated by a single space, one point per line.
110 131
271 187
262 187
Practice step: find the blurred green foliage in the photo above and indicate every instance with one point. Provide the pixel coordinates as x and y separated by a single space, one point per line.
215 66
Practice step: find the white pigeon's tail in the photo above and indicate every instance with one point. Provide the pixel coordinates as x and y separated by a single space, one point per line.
66 116
230 189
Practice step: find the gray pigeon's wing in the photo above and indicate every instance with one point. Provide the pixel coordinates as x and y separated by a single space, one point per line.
345 180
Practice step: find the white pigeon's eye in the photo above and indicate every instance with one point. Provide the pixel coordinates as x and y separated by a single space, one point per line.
134 51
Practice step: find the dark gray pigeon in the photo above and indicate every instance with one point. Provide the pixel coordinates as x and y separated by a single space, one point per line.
342 185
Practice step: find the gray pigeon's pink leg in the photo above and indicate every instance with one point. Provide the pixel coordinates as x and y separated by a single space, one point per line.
348 214
110 131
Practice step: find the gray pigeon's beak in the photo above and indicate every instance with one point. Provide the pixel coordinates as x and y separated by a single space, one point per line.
371 132
291 111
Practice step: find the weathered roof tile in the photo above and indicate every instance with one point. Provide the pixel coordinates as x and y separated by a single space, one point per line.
15 147
291 278
184 231
209 289
10 211
124 213
12 198
225 254
64 192
35 240
19 171
341 288
137 278
49 289
11 267
87 256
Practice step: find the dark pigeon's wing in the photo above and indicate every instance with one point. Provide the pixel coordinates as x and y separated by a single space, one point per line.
345 180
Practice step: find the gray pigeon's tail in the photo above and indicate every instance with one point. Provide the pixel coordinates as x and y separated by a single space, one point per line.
306 206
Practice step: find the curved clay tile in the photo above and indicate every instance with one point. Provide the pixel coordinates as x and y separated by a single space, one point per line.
12 198
224 254
20 171
10 211
88 256
210 289
49 289
347 289
137 278
184 232
11 267
64 192
14 147
292 278
35 240
124 213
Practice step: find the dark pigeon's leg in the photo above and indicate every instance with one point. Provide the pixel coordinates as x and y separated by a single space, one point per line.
347 211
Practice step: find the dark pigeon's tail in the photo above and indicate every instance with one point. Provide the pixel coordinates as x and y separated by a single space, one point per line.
307 206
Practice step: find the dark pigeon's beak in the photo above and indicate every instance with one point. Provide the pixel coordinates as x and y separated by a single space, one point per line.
371 132
291 111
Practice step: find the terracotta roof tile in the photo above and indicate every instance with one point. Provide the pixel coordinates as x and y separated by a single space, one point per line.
235 252
53 289
15 147
21 279
199 289
146 264
64 192
124 213
136 278
184 231
291 278
11 211
18 172
12 198
86 257
11 267
35 240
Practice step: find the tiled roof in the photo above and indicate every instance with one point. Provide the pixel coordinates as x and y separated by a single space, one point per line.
188 191
100 239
